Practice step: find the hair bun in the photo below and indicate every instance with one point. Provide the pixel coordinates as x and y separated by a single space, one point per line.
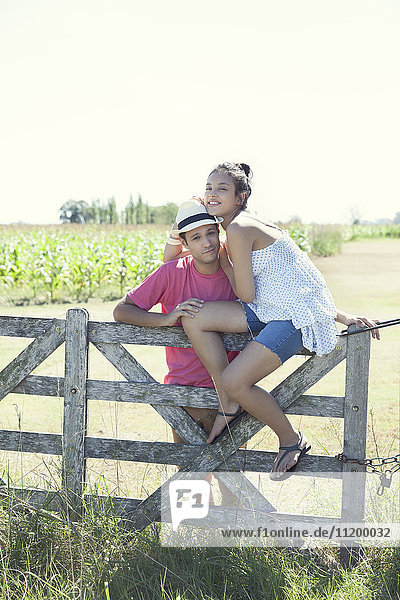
246 169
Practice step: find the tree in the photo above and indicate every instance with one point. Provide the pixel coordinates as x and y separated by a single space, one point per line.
355 215
130 212
73 211
111 209
396 219
163 214
140 211
96 210
106 212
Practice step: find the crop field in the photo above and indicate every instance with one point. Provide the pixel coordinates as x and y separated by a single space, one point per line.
75 263
53 264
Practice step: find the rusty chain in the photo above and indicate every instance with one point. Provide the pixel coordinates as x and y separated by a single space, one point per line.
372 465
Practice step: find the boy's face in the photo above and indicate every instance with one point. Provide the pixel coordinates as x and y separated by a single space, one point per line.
203 244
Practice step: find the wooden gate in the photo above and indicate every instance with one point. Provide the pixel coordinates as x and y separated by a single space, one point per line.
140 387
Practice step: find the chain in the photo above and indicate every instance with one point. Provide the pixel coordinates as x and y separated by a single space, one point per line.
372 465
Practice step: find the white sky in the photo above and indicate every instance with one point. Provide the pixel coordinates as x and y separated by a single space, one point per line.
104 98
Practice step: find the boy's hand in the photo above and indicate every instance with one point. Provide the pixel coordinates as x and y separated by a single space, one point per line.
187 308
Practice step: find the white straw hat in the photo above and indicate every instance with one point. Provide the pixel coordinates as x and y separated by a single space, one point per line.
192 214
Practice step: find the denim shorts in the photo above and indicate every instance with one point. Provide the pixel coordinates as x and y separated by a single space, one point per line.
279 336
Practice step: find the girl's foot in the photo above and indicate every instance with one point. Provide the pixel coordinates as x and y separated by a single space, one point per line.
288 457
222 419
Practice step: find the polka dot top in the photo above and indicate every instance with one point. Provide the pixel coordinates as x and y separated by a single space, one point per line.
290 287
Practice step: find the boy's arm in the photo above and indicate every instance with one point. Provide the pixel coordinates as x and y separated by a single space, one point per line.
127 311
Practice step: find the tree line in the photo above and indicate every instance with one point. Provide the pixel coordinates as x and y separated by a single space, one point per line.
134 213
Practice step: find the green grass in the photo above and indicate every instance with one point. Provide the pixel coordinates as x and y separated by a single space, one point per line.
46 558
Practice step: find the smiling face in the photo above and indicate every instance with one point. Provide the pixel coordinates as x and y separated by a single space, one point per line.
203 244
220 197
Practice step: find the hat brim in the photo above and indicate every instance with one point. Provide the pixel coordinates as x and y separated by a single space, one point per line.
205 221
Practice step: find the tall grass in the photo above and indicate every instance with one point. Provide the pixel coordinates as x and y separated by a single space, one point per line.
326 240
46 557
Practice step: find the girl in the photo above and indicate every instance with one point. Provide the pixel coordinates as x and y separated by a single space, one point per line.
283 301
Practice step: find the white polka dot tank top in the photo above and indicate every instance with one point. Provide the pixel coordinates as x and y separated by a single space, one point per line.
290 287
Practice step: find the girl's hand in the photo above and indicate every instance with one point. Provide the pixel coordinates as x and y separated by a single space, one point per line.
363 322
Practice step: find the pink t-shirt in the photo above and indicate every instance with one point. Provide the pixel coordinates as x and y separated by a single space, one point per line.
172 283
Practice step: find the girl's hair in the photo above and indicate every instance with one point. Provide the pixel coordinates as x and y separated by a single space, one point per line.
241 175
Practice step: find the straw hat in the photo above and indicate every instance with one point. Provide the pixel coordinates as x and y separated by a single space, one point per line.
192 214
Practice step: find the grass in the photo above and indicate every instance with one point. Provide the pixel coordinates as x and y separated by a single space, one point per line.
44 558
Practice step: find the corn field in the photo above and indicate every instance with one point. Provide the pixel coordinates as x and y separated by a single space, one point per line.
75 263
79 262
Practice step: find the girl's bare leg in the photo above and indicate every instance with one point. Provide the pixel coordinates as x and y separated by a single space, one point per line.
201 330
238 382
235 383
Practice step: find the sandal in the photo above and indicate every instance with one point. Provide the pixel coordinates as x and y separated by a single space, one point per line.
288 449
238 414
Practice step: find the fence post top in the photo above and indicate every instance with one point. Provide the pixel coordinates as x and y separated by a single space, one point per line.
78 310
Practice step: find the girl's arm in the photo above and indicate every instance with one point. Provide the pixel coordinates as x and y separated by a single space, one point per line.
173 248
174 251
349 319
240 273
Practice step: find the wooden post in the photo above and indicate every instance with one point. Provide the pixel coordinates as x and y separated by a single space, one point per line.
355 435
75 410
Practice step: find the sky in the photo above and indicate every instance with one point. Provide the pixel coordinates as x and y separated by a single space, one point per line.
103 98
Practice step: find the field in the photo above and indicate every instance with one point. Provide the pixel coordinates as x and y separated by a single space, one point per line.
64 263
364 278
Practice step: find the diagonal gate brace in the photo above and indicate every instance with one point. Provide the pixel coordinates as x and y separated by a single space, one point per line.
30 358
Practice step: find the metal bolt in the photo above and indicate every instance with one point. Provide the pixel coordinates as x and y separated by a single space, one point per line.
94 332
73 390
58 328
338 348
354 470
355 408
209 457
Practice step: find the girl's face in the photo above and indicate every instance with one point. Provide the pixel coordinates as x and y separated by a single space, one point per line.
220 197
